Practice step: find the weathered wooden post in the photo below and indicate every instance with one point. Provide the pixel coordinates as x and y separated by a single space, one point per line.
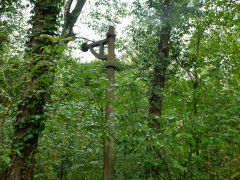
108 169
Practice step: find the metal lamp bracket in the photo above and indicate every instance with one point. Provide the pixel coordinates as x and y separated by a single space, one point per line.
100 44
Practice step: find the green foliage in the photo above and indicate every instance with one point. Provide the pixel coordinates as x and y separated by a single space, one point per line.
199 134
11 73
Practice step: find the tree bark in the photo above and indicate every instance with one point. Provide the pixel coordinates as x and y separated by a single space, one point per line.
159 78
70 18
30 120
160 68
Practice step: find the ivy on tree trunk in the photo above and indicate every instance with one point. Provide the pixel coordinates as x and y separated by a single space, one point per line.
30 120
160 67
159 76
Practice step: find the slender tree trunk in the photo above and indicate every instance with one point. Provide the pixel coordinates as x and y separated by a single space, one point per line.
2 144
196 82
30 120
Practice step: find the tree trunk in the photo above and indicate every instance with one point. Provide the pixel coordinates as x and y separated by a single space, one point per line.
159 78
30 120
160 68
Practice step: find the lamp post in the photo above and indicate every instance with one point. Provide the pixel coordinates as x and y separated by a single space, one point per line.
108 169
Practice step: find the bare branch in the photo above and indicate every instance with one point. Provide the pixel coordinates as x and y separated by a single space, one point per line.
67 10
70 18
77 10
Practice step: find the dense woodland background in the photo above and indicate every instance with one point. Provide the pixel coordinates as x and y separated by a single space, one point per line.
177 101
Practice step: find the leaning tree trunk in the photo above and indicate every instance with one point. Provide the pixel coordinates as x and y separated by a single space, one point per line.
30 120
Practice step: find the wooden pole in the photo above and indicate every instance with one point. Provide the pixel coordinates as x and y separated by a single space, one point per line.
108 169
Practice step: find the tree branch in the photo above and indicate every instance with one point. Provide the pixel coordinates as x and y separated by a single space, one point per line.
70 18
67 11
